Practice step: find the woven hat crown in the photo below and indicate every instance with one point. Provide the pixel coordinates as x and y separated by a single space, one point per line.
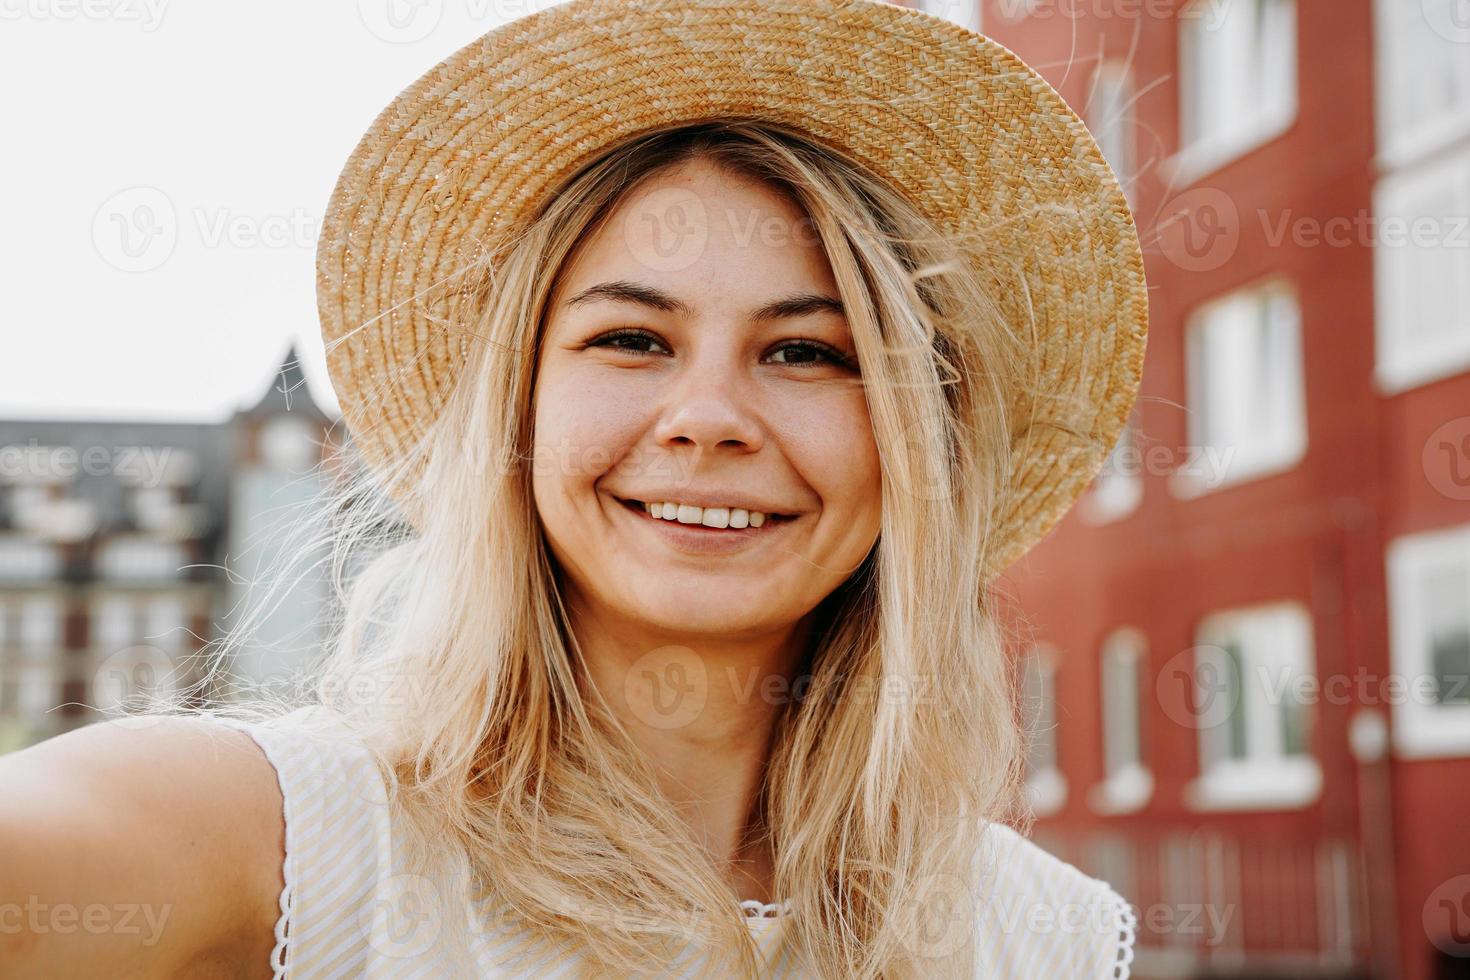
977 139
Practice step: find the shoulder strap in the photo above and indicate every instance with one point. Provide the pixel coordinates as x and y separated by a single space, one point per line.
338 840
1041 917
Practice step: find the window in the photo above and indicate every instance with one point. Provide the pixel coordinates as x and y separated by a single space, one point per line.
113 623
290 443
40 624
1422 264
163 622
128 619
139 558
1119 485
1045 785
36 631
1423 77
7 640
1109 115
1127 782
1429 623
137 637
1247 416
37 691
1237 70
1253 683
25 560
28 501
965 13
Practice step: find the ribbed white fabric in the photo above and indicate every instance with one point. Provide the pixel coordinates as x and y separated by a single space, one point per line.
1044 918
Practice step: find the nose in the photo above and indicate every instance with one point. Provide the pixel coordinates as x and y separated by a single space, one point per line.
709 406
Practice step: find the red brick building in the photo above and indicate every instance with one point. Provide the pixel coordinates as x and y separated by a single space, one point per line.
1251 671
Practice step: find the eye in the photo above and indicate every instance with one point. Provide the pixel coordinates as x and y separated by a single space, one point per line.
819 353
625 339
812 353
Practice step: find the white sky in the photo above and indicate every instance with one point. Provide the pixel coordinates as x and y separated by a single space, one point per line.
222 127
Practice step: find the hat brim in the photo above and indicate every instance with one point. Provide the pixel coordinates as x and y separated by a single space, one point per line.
977 139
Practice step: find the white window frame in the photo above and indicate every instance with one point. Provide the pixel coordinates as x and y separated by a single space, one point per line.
1128 783
1118 487
1109 117
1046 785
38 690
1278 663
38 620
1422 728
24 559
152 618
1402 262
1212 27
138 557
9 627
1398 62
40 623
1213 464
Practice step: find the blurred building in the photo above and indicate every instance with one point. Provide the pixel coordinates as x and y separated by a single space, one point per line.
126 546
1250 677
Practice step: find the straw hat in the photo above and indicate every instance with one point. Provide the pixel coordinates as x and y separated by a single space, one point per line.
969 132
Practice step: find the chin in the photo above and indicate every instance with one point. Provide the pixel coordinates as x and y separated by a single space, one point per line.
695 614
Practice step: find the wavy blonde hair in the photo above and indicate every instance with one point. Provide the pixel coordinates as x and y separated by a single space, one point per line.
505 759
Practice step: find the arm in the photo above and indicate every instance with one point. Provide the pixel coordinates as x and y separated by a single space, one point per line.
131 849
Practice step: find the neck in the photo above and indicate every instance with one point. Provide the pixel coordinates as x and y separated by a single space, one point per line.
703 711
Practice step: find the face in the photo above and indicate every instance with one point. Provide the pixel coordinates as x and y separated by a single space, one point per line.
695 355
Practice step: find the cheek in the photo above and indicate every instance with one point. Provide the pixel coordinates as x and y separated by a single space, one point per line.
829 440
582 429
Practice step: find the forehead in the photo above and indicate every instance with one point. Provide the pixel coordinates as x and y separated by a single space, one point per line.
704 234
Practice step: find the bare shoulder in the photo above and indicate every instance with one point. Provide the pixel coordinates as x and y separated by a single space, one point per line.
147 846
1040 909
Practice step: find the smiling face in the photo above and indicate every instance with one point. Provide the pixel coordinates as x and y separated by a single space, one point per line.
695 353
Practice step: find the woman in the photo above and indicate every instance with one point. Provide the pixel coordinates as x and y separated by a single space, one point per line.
713 376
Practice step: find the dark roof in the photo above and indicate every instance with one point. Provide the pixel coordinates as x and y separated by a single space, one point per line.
287 391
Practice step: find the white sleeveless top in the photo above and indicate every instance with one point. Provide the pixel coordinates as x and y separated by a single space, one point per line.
1044 918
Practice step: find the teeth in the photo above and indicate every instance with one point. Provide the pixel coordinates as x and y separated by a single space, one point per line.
734 517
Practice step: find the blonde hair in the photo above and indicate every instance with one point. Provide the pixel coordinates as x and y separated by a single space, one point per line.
903 743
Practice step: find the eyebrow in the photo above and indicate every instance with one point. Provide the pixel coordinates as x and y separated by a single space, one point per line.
622 291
